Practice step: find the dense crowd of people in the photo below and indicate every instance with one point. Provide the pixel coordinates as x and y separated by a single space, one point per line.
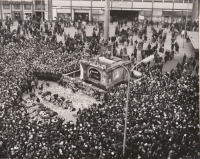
163 109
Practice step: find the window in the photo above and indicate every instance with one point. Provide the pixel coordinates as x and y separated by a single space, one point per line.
186 1
127 0
178 1
137 0
158 0
168 1
7 15
17 6
27 6
147 0
38 5
6 6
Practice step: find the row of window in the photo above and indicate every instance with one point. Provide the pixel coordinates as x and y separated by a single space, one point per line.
38 3
17 6
26 6
176 1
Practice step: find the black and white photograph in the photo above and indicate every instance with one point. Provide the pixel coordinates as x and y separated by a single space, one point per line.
99 79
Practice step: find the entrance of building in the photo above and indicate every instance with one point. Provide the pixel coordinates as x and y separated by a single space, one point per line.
39 15
81 16
17 16
166 19
123 14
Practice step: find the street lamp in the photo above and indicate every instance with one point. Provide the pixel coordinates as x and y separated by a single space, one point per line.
185 24
126 116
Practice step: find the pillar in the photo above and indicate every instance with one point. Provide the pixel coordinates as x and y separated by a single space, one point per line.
106 20
132 4
152 10
90 12
32 8
71 9
195 10
90 15
172 19
1 8
72 15
50 10
11 12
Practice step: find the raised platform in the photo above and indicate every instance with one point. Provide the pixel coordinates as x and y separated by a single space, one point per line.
103 72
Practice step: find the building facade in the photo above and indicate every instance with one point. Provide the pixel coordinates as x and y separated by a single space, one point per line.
16 9
162 10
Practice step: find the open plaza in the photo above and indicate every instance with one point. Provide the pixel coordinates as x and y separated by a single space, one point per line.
99 79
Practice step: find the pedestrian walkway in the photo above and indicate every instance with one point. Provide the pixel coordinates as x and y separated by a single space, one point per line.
187 49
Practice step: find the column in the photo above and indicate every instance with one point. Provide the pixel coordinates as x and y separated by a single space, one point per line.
72 15
152 10
32 8
1 8
182 14
71 10
90 12
106 20
172 19
22 4
50 10
11 12
195 10
132 4
90 15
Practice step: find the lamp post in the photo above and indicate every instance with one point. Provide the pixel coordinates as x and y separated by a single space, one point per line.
126 116
185 24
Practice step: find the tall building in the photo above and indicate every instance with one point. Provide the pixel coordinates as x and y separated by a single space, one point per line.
23 8
165 10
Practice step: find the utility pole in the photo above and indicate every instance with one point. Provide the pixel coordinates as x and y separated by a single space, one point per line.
126 115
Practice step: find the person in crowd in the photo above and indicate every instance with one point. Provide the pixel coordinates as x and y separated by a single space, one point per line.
163 112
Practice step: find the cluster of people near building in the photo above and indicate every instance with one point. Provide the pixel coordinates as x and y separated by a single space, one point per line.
162 119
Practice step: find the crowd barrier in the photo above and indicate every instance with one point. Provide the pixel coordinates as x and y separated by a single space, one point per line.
73 74
48 76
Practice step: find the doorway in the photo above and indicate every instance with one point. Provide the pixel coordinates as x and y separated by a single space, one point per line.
39 15
17 15
81 16
166 19
118 15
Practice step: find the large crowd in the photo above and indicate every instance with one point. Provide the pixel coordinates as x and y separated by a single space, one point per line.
163 109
